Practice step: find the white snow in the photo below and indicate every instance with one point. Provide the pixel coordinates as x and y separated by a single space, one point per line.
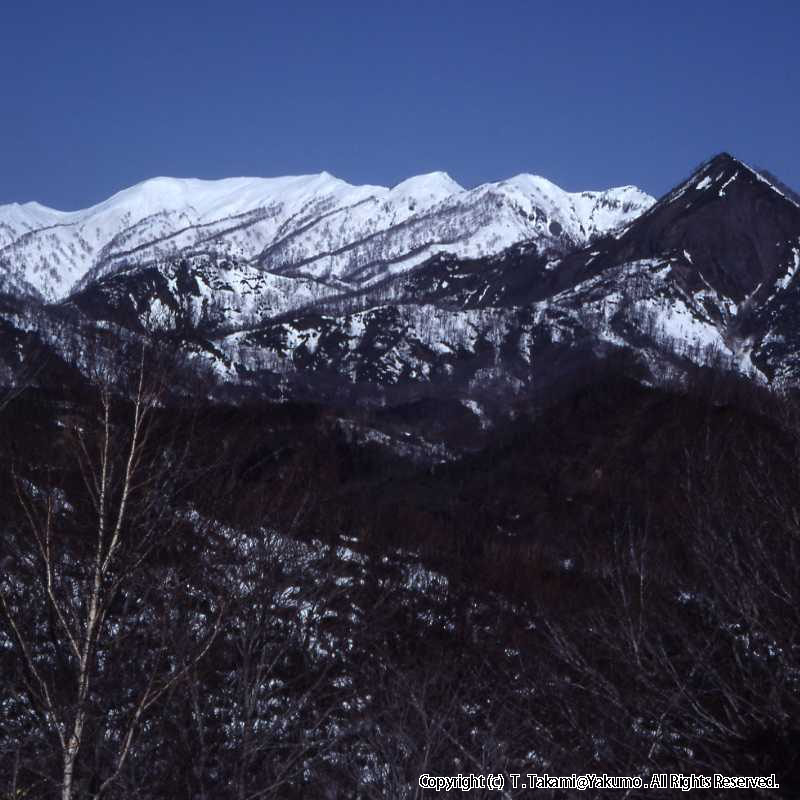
727 182
784 282
679 321
476 409
317 225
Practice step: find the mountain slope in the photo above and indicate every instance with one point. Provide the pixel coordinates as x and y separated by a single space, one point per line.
316 226
727 226
705 262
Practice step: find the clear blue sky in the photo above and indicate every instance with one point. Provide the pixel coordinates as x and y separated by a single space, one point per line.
99 95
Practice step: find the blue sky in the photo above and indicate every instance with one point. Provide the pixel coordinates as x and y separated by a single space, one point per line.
100 95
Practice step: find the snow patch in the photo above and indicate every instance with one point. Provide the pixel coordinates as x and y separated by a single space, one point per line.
728 182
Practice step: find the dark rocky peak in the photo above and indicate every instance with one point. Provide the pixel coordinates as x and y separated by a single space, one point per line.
725 177
727 227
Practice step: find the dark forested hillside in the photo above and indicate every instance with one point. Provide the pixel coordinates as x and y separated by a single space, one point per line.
249 601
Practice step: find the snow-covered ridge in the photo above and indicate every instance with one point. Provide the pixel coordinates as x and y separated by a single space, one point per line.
317 226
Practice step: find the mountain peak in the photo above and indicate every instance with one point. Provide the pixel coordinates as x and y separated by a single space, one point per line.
722 177
532 183
439 183
723 159
732 228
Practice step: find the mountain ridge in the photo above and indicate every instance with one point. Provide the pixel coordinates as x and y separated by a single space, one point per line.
316 225
705 276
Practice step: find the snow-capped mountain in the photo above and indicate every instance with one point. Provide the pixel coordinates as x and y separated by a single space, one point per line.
315 226
411 307
705 276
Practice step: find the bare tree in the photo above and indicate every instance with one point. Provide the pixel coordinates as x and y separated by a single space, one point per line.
89 524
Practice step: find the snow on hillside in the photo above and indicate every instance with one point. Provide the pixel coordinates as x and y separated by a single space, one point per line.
317 226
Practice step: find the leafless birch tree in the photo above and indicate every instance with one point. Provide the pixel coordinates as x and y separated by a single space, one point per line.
84 534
